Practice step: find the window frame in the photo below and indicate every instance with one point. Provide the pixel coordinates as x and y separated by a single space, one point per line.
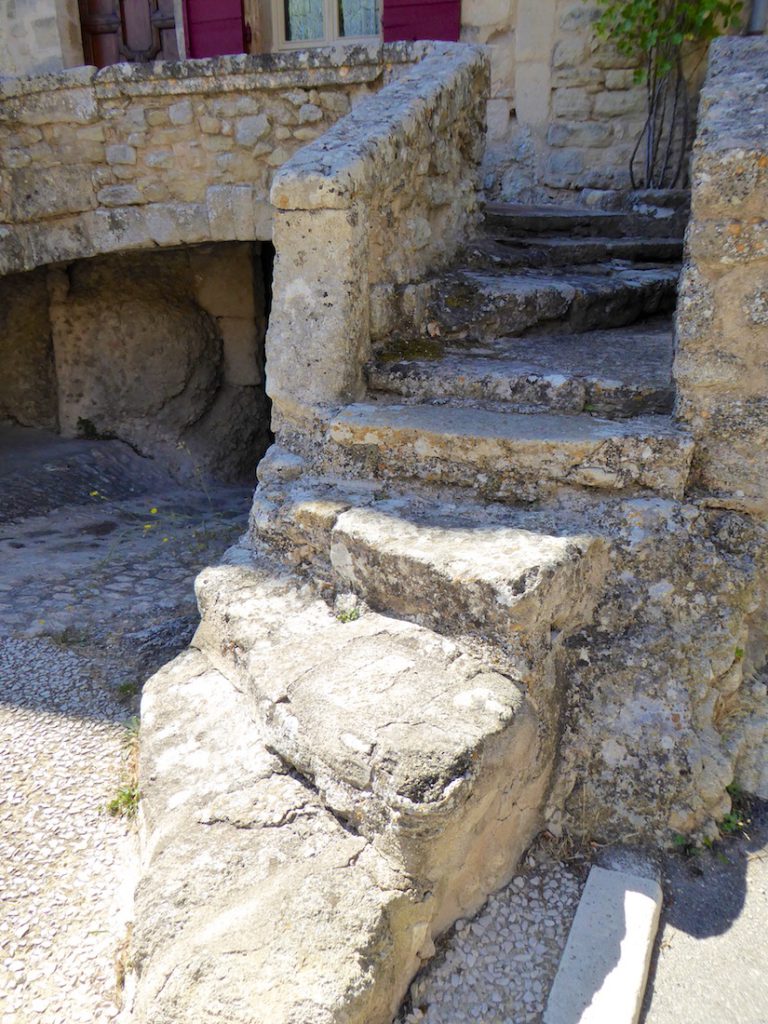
330 22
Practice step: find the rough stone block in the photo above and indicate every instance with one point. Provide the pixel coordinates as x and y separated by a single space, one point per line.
119 195
249 130
618 104
586 134
532 92
49 192
619 78
572 103
120 154
535 30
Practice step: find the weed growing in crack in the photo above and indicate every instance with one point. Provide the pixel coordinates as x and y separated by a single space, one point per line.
350 615
125 802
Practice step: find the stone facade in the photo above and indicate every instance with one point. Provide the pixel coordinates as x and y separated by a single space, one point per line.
136 156
565 110
722 350
38 36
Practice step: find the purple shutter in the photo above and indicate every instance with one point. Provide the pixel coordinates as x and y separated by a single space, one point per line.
421 19
214 27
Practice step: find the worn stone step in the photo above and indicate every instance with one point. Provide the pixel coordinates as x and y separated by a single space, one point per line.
522 218
429 754
509 457
498 250
256 904
457 567
615 373
470 305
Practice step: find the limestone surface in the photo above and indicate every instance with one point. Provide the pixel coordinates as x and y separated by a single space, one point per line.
408 773
722 323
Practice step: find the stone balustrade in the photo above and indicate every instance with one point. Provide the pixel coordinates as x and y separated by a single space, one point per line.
387 194
138 156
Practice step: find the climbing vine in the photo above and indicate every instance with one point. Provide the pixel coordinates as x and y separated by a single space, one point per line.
652 35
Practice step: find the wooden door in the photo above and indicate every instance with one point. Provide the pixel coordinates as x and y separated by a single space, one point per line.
127 30
213 28
421 19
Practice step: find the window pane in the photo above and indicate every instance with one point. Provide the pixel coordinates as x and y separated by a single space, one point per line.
304 20
358 17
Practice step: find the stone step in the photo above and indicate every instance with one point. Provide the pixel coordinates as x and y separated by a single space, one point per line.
507 456
469 305
428 753
460 568
616 373
522 218
499 251
256 904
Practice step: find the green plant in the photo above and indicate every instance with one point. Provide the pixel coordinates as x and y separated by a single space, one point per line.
125 803
651 32
349 615
685 845
737 821
129 689
652 35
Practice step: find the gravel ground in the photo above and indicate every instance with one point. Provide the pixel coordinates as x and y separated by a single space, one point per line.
95 593
498 968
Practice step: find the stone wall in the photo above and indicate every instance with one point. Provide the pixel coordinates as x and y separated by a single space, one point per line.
30 43
385 195
721 364
565 111
162 350
27 375
136 156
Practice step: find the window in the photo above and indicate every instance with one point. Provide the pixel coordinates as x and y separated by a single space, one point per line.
316 22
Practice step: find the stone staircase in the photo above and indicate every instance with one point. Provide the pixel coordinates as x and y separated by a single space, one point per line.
519 376
399 625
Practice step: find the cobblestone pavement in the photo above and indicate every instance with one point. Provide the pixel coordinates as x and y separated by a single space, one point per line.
94 595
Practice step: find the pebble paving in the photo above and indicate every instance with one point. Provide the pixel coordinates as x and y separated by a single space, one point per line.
499 967
93 596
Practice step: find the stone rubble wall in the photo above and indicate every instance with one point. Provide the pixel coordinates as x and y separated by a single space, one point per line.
137 156
721 363
387 194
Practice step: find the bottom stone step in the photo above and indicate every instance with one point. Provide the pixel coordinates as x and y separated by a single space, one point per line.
321 797
256 905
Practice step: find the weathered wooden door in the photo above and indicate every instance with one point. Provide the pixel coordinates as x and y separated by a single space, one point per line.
132 30
213 28
421 19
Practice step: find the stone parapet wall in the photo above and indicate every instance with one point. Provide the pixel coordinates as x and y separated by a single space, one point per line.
136 156
386 195
721 364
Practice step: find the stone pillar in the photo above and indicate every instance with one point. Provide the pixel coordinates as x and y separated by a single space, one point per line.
721 362
319 330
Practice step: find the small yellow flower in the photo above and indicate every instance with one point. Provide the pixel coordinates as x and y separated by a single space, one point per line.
153 511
